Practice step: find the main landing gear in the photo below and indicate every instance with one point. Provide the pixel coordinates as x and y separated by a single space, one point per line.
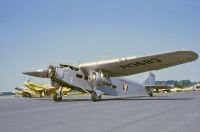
151 94
57 96
95 97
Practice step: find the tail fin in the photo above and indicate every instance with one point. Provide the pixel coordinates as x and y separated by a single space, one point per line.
151 80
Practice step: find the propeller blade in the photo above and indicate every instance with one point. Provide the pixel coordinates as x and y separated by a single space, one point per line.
29 80
38 73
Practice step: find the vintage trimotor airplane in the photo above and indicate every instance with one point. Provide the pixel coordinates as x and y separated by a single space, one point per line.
105 77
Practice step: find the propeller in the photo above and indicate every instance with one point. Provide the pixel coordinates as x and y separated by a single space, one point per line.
38 73
45 73
42 73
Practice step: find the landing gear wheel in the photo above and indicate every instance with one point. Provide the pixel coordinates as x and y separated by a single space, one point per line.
151 94
56 97
29 95
94 97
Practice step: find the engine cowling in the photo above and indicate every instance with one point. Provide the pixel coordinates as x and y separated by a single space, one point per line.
98 78
51 71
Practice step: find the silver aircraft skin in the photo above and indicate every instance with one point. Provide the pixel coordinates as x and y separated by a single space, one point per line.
106 77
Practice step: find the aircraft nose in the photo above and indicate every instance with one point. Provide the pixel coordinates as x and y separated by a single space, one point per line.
43 73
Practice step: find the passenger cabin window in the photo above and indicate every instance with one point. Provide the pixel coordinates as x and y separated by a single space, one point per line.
114 86
79 76
86 78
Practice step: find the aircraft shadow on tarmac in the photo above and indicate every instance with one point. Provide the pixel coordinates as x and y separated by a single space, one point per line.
158 98
152 98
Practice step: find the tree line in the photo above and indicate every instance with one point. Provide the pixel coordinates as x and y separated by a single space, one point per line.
175 83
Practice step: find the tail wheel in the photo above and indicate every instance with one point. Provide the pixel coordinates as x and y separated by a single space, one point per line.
150 92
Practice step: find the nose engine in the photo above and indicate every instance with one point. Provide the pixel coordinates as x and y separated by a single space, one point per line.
54 73
51 71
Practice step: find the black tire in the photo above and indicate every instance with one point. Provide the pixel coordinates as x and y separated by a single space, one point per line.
60 98
56 98
29 95
94 97
151 94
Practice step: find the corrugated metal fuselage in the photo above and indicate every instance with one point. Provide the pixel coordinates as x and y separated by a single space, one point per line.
120 86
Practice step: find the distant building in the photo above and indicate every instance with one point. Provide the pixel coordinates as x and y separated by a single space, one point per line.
6 93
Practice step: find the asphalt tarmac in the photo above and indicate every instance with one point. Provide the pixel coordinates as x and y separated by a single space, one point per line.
176 112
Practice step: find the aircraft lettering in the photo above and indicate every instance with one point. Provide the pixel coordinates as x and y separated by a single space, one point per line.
144 62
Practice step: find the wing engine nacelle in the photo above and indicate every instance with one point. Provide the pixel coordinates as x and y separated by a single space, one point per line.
98 79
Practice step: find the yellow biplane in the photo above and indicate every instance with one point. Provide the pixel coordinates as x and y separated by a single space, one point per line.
44 89
38 90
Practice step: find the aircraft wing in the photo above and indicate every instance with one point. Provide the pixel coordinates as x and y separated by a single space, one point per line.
38 87
133 65
34 87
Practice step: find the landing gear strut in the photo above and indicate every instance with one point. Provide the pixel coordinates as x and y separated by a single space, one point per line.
57 96
150 92
94 97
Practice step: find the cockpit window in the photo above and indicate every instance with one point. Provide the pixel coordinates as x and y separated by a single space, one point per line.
74 68
71 67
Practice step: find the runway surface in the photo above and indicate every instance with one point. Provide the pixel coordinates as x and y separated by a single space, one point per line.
177 112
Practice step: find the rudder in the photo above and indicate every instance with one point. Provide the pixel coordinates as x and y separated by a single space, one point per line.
151 80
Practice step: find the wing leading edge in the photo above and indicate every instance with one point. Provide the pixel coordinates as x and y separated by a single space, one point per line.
133 65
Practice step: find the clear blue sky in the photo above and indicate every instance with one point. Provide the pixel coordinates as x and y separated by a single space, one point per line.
36 33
